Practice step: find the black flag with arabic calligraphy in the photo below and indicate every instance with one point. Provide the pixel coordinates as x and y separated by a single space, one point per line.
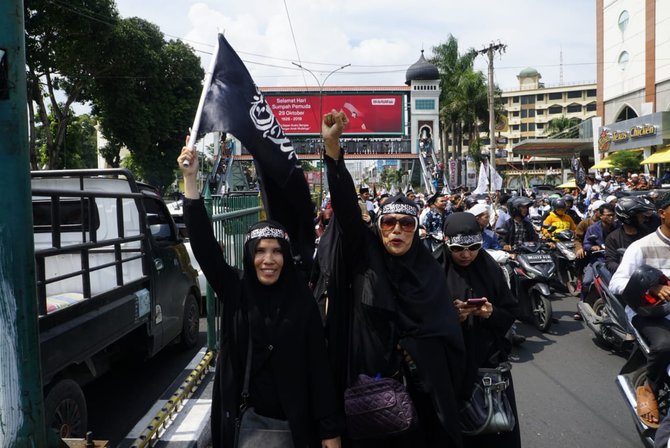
235 105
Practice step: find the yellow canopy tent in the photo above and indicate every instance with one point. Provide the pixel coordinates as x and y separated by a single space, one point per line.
568 184
662 156
603 164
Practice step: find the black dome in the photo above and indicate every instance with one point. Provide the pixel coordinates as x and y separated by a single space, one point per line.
421 70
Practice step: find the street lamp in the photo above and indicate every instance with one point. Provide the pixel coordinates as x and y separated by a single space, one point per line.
320 84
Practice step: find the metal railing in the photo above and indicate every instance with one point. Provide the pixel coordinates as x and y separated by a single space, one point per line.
231 215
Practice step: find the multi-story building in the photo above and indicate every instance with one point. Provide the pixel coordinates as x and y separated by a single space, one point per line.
524 127
633 76
529 109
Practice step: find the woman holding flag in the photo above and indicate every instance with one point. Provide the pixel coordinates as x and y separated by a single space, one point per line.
272 359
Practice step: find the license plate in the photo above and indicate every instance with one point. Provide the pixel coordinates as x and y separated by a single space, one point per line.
538 258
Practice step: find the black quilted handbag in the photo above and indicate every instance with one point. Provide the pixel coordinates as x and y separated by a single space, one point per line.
488 411
378 407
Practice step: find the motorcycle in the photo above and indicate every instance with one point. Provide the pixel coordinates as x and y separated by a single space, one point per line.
606 318
533 268
633 375
566 261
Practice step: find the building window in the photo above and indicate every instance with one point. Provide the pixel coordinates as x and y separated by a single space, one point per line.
528 99
574 108
540 112
623 59
591 107
540 126
555 110
531 113
524 127
626 114
575 94
515 127
424 105
515 99
556 96
540 97
515 140
524 113
591 93
623 20
531 126
515 113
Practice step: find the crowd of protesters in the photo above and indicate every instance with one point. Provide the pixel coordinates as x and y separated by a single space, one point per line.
382 305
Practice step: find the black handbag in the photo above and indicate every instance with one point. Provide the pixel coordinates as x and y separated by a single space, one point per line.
253 430
488 411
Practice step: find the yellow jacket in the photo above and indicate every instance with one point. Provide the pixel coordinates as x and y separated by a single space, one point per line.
560 222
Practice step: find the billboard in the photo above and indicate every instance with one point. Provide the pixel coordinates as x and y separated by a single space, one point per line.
368 113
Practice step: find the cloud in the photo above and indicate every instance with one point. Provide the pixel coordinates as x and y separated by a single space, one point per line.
381 38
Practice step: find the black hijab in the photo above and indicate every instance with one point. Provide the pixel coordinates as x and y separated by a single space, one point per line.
270 299
481 278
424 307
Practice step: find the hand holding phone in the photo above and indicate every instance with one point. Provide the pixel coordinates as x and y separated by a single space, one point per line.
476 301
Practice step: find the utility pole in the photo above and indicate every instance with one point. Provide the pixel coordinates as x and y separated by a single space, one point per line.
21 403
489 52
321 152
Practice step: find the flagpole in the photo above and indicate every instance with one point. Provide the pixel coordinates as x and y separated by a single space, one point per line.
201 104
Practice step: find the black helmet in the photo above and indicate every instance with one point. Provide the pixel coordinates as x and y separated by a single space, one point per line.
568 198
516 203
636 294
470 201
559 203
627 207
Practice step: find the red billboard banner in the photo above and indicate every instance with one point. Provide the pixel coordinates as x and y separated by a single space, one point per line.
368 113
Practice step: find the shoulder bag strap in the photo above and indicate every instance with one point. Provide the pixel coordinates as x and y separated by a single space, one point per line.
247 369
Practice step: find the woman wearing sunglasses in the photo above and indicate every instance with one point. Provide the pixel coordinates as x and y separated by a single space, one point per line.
472 274
395 318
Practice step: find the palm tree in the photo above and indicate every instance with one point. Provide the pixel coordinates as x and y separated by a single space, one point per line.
463 101
563 127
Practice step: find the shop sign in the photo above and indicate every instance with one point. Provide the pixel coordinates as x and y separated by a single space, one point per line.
653 129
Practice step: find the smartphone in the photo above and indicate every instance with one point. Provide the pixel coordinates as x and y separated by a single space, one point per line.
476 301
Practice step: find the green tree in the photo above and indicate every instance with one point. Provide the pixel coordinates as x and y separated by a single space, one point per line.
147 99
563 127
626 161
63 59
390 177
463 100
79 146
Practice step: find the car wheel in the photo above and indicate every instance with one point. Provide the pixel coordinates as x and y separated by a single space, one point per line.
191 323
65 409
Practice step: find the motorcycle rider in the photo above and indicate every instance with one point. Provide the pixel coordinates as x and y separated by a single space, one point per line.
600 229
652 250
519 230
558 218
571 209
633 213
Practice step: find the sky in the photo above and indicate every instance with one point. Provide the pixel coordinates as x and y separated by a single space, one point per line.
381 38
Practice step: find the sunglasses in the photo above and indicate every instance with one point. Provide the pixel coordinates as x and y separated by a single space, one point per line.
458 248
407 223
